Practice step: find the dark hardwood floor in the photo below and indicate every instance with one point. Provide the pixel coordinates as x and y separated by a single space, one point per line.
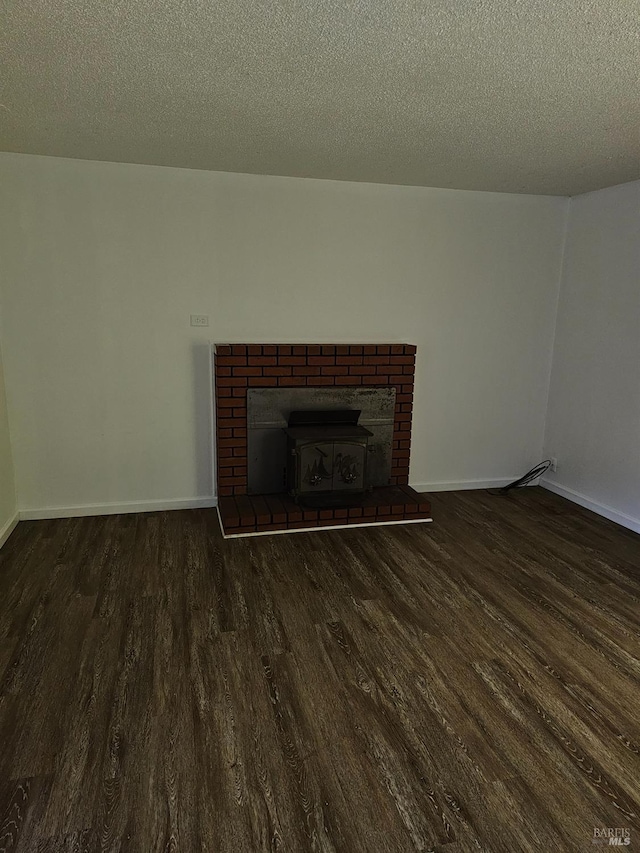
470 685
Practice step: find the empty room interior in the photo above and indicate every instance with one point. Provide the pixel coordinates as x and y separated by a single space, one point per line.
319 426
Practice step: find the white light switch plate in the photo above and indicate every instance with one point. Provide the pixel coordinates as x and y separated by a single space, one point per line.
199 319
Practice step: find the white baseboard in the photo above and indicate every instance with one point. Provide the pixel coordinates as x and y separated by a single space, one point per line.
116 508
460 485
601 509
9 527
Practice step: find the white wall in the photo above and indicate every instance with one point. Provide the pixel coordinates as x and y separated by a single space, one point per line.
104 263
8 503
593 424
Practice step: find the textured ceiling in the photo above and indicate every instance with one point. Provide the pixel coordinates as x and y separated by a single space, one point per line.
538 96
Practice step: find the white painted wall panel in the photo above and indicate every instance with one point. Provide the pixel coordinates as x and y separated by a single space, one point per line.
593 424
103 264
8 504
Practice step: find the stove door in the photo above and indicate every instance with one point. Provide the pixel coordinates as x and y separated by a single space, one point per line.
349 460
315 461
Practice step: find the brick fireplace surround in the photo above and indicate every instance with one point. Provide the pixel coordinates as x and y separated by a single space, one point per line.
238 367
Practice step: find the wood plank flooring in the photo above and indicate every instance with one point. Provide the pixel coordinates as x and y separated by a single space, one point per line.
471 685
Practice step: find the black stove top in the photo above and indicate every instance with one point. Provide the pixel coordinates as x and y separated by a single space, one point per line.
329 424
317 432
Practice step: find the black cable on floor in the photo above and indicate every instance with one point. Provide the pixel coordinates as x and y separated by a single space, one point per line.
538 471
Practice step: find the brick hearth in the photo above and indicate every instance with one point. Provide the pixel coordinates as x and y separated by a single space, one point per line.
243 515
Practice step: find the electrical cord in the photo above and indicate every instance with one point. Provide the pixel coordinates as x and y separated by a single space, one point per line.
538 471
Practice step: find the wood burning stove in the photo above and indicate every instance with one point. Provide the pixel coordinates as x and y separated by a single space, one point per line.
326 457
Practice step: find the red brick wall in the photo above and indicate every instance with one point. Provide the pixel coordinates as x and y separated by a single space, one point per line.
241 366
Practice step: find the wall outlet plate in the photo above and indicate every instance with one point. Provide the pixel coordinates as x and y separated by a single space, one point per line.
199 319
554 465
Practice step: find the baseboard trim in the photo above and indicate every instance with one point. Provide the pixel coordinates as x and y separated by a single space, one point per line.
9 527
461 485
600 509
115 508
